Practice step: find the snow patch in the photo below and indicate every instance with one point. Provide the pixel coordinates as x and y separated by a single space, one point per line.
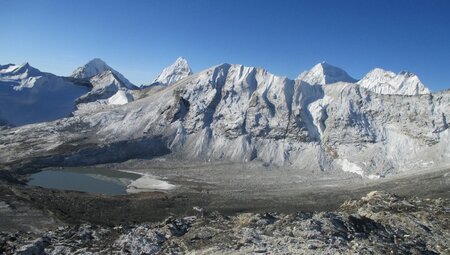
318 112
120 98
148 183
348 166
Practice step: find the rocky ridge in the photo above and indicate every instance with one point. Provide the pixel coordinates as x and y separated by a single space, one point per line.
375 224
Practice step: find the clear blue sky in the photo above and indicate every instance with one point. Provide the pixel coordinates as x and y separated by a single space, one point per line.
139 38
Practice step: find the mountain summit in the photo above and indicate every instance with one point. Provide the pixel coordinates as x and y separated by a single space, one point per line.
91 68
28 95
173 73
24 72
324 73
387 82
95 67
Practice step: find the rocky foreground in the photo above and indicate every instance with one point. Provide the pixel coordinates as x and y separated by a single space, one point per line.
378 223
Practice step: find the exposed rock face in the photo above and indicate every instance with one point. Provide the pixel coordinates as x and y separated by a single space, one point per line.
378 223
386 82
238 113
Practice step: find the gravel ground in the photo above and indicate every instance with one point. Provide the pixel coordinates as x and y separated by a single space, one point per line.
377 223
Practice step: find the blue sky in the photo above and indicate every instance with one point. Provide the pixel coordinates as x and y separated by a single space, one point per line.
139 38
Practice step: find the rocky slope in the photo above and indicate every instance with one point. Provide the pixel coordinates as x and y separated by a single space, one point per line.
378 223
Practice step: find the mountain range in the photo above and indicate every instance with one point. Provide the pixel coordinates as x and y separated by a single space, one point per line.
323 120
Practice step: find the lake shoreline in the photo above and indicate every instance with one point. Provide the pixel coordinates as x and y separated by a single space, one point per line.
97 180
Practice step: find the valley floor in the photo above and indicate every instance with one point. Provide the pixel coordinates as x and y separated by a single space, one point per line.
227 190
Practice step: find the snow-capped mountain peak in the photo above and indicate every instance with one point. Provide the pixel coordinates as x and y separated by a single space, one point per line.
173 73
97 66
22 70
21 76
181 61
386 82
28 95
91 68
324 73
7 68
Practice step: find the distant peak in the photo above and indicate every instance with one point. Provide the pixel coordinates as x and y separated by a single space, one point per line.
379 70
324 73
96 61
173 73
181 59
25 68
407 73
181 62
382 72
18 68
325 64
387 82
95 67
99 64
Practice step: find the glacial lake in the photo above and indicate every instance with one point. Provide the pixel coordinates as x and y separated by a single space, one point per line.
96 180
